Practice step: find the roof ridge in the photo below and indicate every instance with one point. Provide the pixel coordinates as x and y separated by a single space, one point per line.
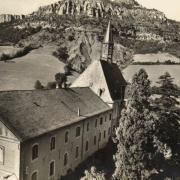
35 90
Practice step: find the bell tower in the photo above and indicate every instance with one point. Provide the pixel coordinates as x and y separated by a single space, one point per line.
108 45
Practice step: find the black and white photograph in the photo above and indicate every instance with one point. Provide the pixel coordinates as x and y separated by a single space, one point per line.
89 89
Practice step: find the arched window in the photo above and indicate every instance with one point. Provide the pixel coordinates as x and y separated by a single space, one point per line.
109 131
78 131
1 130
77 152
101 121
35 151
110 116
53 143
65 159
96 123
1 155
34 176
87 146
94 140
51 168
104 134
66 136
99 136
88 126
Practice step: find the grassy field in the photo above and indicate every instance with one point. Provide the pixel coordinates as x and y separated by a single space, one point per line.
154 57
154 71
21 73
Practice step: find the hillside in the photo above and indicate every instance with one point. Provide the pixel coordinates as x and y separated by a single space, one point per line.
21 73
79 26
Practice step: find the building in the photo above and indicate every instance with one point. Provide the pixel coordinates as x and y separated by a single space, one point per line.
44 134
105 78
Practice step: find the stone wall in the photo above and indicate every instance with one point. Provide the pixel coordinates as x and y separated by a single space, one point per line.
10 152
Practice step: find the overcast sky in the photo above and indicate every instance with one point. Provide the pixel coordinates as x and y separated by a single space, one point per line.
170 7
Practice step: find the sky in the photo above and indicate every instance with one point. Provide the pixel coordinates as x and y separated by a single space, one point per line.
170 7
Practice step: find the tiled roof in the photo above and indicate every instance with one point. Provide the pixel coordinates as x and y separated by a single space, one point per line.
32 113
114 79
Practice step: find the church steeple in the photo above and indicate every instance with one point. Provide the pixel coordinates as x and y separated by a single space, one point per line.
108 45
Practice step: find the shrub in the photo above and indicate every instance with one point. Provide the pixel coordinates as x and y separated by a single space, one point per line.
67 69
51 85
62 54
93 174
38 85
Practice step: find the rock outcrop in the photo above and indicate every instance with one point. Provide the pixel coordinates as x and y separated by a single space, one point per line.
9 17
100 8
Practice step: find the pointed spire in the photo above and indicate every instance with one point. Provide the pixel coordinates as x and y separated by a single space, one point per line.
108 38
108 45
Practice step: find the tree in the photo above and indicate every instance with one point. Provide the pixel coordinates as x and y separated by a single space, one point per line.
136 153
61 79
166 107
67 69
38 85
93 174
62 54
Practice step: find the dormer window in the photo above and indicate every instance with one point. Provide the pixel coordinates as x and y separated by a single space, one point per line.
101 91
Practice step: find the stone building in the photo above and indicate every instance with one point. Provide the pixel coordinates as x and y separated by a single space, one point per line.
44 134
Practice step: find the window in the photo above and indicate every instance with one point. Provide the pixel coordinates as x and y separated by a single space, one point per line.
78 131
99 136
65 159
104 134
87 146
110 117
94 140
101 121
66 136
87 126
1 130
105 118
1 155
34 176
96 123
35 151
77 152
109 131
51 168
53 143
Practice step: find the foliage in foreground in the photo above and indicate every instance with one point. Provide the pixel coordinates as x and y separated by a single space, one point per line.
166 107
93 174
137 154
149 133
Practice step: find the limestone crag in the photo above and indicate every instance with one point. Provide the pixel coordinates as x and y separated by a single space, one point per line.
9 17
100 8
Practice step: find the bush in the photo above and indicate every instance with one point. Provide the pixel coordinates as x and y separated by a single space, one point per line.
67 69
93 175
51 85
19 53
38 85
4 57
62 54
